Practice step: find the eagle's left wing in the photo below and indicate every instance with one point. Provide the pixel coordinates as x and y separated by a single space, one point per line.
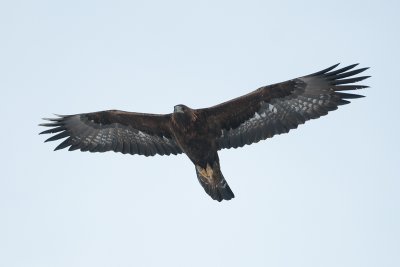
114 130
278 108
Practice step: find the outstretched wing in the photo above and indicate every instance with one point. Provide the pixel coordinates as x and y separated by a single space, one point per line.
113 130
278 108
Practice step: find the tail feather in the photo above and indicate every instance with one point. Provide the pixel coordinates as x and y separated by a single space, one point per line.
214 182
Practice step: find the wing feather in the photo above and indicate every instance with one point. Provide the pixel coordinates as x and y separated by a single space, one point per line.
278 108
113 130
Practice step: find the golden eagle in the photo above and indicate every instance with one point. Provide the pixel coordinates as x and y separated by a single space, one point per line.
200 133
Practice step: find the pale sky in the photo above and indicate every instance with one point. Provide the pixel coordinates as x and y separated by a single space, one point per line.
326 194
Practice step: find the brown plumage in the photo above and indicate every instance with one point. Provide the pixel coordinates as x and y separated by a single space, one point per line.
200 133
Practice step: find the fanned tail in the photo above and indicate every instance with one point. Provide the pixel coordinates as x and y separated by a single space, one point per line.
214 182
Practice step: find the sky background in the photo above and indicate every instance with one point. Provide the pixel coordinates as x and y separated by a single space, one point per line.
326 194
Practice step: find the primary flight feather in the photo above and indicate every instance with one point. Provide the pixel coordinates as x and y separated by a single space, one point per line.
200 133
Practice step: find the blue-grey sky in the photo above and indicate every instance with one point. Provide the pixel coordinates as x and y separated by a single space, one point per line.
326 194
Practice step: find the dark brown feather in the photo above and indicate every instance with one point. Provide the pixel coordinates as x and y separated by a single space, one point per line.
278 108
119 131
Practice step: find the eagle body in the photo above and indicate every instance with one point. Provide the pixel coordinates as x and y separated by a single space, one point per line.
201 133
194 136
197 139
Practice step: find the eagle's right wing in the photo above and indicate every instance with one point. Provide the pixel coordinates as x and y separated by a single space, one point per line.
278 108
113 130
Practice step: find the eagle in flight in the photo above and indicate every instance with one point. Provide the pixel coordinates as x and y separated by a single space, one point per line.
200 133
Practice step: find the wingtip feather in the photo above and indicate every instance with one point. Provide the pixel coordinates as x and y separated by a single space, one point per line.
325 70
349 96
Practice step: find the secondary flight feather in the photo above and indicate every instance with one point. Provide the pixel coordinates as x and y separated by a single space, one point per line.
200 133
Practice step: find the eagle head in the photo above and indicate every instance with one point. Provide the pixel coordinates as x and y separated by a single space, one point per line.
181 109
184 114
